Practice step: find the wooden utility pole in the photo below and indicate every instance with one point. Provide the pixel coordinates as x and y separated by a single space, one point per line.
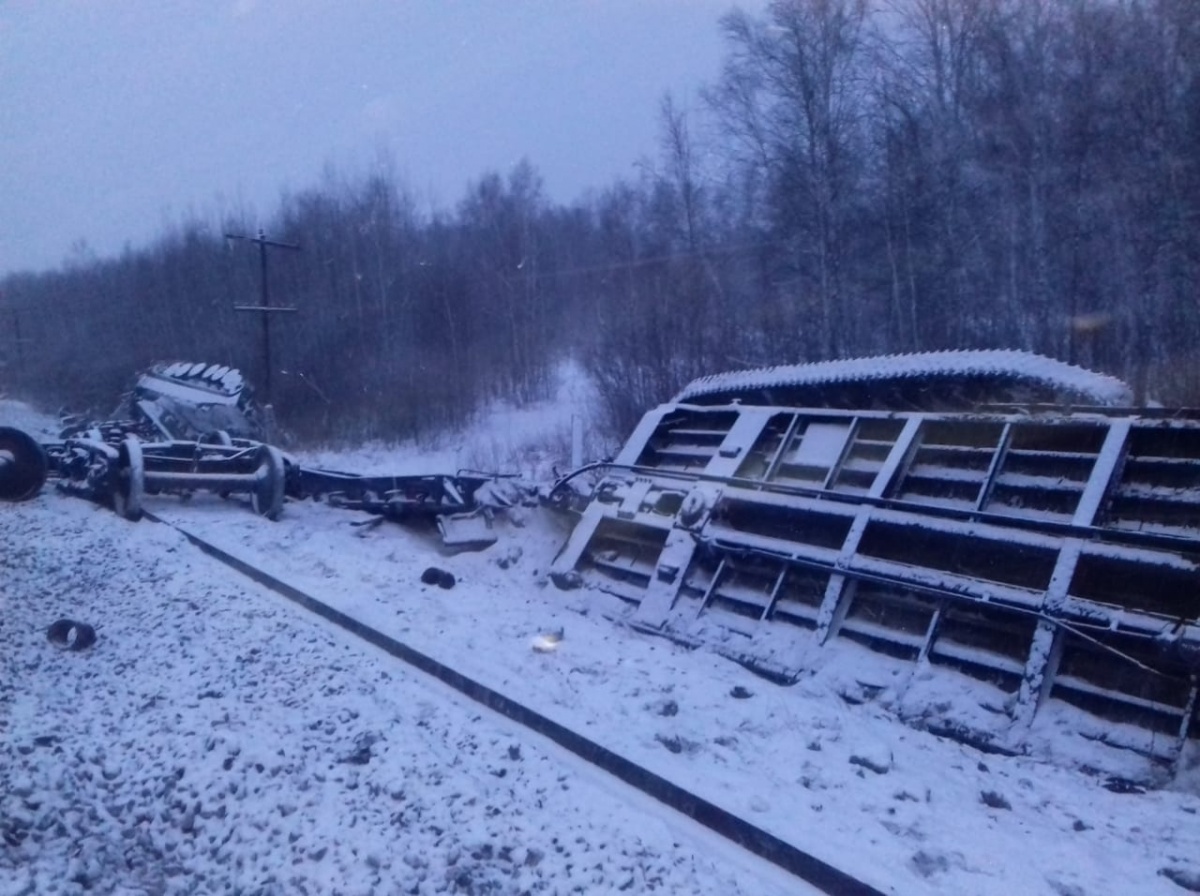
17 342
265 308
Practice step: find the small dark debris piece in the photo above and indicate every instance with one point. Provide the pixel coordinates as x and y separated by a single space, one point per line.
669 708
514 752
1123 785
993 800
927 864
740 693
876 767
14 835
567 581
71 635
439 577
1080 826
672 743
360 756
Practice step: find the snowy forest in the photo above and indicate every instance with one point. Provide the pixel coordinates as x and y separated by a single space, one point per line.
858 178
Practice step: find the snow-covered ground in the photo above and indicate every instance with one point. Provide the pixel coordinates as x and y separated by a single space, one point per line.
215 739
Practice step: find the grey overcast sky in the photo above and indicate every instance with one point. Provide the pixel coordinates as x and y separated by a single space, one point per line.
120 117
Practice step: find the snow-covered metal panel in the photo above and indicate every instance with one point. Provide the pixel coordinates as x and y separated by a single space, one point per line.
1047 553
737 443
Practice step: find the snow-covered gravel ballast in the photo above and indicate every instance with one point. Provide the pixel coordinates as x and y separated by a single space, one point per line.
216 739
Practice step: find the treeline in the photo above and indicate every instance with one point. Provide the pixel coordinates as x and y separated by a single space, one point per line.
859 178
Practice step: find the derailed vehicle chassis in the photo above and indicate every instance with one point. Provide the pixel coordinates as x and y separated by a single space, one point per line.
1042 547
187 428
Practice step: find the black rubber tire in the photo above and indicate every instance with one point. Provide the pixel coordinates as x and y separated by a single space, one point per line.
71 635
23 476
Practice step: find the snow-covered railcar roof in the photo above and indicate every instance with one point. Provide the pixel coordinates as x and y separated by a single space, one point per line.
926 380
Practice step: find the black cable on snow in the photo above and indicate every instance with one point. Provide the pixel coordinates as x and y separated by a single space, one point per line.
779 852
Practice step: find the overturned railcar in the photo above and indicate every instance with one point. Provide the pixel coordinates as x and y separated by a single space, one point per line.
997 515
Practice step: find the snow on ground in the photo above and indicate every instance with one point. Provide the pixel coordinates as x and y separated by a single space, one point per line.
217 739
20 415
504 439
95 741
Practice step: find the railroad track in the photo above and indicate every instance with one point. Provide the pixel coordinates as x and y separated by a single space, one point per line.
786 856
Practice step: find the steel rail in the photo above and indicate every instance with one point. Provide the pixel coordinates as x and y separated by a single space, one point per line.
814 871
